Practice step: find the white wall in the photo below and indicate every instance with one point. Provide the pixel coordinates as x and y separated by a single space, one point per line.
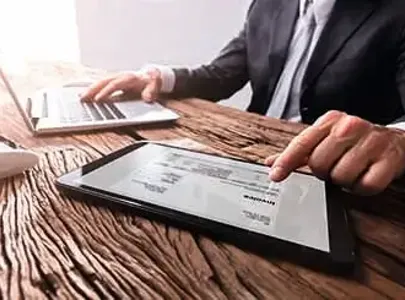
125 34
120 34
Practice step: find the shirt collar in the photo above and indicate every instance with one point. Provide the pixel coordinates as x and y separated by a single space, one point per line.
322 9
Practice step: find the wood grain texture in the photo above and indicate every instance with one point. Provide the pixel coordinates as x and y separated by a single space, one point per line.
56 247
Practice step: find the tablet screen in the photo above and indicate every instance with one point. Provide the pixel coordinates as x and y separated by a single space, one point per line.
232 192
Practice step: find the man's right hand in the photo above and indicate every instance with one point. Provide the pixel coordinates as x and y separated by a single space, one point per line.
147 83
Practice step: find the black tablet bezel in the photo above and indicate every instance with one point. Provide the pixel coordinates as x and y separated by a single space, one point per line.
341 257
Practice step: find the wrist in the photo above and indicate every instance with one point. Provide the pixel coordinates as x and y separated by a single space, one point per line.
166 74
148 75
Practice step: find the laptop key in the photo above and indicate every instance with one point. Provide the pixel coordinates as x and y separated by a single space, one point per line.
73 112
93 111
104 111
116 111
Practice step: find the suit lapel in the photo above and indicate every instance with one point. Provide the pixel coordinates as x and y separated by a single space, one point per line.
346 17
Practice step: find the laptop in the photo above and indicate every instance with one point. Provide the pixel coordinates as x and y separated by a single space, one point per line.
59 109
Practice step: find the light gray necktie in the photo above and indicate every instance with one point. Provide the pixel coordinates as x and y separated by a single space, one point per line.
298 49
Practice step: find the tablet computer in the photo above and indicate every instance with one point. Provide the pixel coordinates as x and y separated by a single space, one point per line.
301 218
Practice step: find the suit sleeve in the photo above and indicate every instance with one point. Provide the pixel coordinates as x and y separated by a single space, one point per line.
401 69
400 78
221 78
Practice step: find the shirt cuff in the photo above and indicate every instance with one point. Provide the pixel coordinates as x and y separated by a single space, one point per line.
397 125
167 75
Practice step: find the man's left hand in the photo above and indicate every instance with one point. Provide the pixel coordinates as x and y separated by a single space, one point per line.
349 151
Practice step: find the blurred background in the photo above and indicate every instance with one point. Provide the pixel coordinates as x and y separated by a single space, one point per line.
121 35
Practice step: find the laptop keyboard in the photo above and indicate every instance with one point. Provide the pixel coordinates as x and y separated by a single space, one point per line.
78 111
66 107
73 112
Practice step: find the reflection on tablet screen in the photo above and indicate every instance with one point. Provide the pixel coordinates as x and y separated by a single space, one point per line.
227 191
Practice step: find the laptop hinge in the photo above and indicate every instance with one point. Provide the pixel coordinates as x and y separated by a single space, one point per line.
38 106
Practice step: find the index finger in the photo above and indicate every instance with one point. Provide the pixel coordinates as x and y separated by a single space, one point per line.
298 151
95 88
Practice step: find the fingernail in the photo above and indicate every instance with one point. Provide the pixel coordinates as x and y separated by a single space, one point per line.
277 173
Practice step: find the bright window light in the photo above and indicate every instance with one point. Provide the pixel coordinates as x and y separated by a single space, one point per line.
38 30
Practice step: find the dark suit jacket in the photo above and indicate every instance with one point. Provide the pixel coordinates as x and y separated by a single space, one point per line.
358 65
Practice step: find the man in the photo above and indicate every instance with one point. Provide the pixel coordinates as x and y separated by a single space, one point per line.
336 64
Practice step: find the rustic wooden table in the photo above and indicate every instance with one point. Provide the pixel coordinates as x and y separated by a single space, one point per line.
54 247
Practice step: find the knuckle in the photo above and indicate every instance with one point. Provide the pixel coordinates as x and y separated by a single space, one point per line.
335 114
353 121
330 116
349 125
